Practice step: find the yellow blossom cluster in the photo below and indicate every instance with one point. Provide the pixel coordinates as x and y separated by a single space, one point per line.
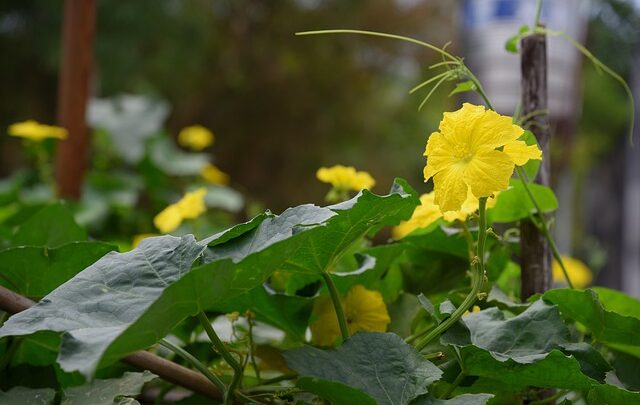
189 207
195 137
345 178
474 152
37 132
364 310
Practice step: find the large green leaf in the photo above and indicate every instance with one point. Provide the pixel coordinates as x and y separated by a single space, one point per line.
24 395
36 271
52 226
126 302
334 392
528 349
617 301
381 365
619 331
465 399
106 392
514 203
611 395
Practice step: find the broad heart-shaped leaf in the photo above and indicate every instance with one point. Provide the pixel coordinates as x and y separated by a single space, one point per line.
514 203
528 349
52 226
611 395
24 395
615 330
36 271
105 392
127 302
381 365
334 392
465 399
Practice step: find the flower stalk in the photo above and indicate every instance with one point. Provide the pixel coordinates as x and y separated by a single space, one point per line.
337 304
477 280
194 362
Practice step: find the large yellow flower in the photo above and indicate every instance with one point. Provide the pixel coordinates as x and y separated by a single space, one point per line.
364 309
214 175
464 155
579 273
345 178
37 132
195 137
189 207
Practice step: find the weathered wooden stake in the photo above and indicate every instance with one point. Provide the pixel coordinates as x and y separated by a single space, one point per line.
534 249
78 30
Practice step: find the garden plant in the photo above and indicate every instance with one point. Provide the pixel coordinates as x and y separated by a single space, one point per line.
391 299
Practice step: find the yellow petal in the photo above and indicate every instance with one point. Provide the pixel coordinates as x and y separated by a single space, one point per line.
424 215
195 137
214 175
192 204
488 172
365 310
37 132
345 177
325 330
520 152
494 130
579 273
169 219
450 188
439 154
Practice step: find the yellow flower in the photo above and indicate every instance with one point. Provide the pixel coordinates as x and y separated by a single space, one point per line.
140 237
345 178
428 212
579 273
192 204
214 175
189 207
364 309
424 215
195 137
36 132
464 156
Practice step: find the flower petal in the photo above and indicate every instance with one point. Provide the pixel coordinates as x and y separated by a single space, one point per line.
450 188
438 153
520 152
488 172
493 130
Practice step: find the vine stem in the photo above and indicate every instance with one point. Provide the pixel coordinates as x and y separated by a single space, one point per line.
337 304
477 278
226 355
454 385
542 226
536 20
194 362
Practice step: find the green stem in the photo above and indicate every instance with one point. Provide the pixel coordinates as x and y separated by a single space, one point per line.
194 362
454 385
536 20
11 350
542 226
433 356
226 355
337 304
384 35
477 279
252 348
417 335
479 87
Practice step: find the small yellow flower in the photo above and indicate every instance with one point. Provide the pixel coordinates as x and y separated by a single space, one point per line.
428 212
37 132
579 273
195 137
465 155
189 207
364 309
214 175
140 237
345 178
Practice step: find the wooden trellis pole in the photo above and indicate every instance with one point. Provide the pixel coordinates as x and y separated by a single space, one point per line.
534 249
78 30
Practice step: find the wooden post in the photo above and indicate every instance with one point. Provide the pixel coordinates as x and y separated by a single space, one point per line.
534 249
78 30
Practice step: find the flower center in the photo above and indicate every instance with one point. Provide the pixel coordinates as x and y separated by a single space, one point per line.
463 153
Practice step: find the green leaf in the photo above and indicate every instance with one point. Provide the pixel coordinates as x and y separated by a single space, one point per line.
127 302
611 395
618 331
334 392
36 271
51 226
617 301
463 88
107 392
24 395
291 314
627 367
465 399
514 203
511 45
381 365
